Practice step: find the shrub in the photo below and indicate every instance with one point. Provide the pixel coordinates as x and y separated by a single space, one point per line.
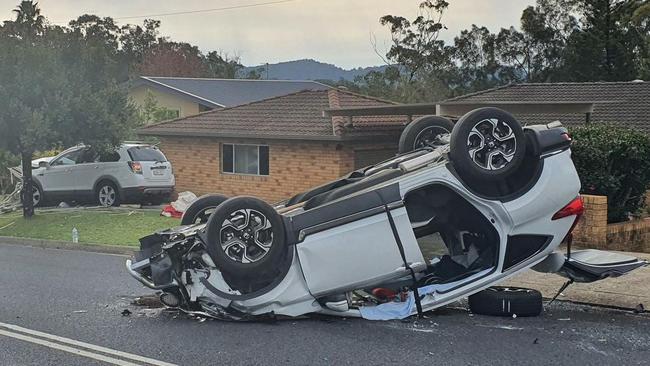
614 162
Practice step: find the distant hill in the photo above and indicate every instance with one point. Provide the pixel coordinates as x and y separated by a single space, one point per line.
309 70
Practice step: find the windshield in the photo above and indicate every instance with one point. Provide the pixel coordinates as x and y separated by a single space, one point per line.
146 153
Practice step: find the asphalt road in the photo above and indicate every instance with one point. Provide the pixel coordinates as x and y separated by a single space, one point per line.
80 296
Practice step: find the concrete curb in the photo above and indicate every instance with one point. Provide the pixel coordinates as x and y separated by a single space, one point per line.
57 244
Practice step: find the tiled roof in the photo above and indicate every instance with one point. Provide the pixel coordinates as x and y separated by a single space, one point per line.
227 92
624 103
296 115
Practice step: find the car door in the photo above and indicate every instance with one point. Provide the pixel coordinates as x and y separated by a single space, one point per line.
57 179
86 172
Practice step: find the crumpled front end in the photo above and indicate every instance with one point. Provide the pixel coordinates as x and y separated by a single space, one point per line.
176 262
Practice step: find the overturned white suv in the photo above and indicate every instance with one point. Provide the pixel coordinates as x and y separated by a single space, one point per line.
463 207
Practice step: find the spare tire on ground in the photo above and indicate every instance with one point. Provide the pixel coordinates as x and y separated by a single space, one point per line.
246 238
506 301
425 132
487 145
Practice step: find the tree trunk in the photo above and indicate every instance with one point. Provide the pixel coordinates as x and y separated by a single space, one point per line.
27 194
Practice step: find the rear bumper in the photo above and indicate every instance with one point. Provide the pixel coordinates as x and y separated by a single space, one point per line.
137 194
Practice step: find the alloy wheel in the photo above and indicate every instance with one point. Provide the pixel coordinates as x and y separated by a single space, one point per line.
430 137
107 196
246 236
491 144
36 196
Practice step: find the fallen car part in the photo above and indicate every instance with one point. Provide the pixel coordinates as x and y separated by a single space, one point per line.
506 301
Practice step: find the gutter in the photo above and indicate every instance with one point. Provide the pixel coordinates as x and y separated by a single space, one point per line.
374 137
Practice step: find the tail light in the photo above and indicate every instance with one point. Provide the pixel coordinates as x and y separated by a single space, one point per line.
574 208
135 167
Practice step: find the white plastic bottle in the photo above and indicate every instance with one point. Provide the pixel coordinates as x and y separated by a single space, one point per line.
75 235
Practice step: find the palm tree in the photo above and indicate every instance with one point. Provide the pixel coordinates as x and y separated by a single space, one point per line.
29 21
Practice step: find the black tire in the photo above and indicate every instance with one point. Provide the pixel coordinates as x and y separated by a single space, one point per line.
200 210
480 168
423 132
506 301
107 194
37 191
259 265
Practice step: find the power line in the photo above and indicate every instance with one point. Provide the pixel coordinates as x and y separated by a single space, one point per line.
205 10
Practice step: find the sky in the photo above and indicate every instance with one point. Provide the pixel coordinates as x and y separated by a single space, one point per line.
339 32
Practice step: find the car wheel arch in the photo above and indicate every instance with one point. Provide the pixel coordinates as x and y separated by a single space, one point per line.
107 178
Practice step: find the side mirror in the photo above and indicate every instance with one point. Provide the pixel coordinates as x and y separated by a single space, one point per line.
43 164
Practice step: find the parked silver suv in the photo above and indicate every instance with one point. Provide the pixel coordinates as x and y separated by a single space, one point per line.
133 173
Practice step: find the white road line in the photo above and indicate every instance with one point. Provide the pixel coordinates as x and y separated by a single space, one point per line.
75 351
89 346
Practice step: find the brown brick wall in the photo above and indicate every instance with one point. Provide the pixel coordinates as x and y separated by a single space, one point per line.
591 230
633 236
294 166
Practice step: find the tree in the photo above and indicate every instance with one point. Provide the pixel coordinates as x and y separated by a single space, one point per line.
151 112
606 47
29 22
172 59
136 41
47 100
222 66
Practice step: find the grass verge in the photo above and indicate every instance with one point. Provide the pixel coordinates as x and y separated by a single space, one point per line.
115 227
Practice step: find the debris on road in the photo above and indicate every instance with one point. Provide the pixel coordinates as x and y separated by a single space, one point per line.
639 309
126 312
150 301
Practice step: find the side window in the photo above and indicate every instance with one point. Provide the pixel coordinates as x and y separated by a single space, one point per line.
87 156
245 159
70 158
109 157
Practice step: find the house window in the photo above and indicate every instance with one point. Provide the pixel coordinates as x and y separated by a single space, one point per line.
245 159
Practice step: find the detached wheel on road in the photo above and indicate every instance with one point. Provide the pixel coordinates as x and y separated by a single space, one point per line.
487 144
427 131
246 238
506 301
200 210
107 195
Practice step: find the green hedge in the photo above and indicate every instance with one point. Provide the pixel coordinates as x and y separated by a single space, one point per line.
614 162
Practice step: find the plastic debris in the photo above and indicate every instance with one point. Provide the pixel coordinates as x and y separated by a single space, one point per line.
639 309
126 312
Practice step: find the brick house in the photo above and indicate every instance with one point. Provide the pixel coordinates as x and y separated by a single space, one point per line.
276 147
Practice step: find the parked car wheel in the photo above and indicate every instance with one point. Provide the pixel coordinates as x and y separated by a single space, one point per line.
200 210
37 196
246 238
506 301
107 194
487 144
424 132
